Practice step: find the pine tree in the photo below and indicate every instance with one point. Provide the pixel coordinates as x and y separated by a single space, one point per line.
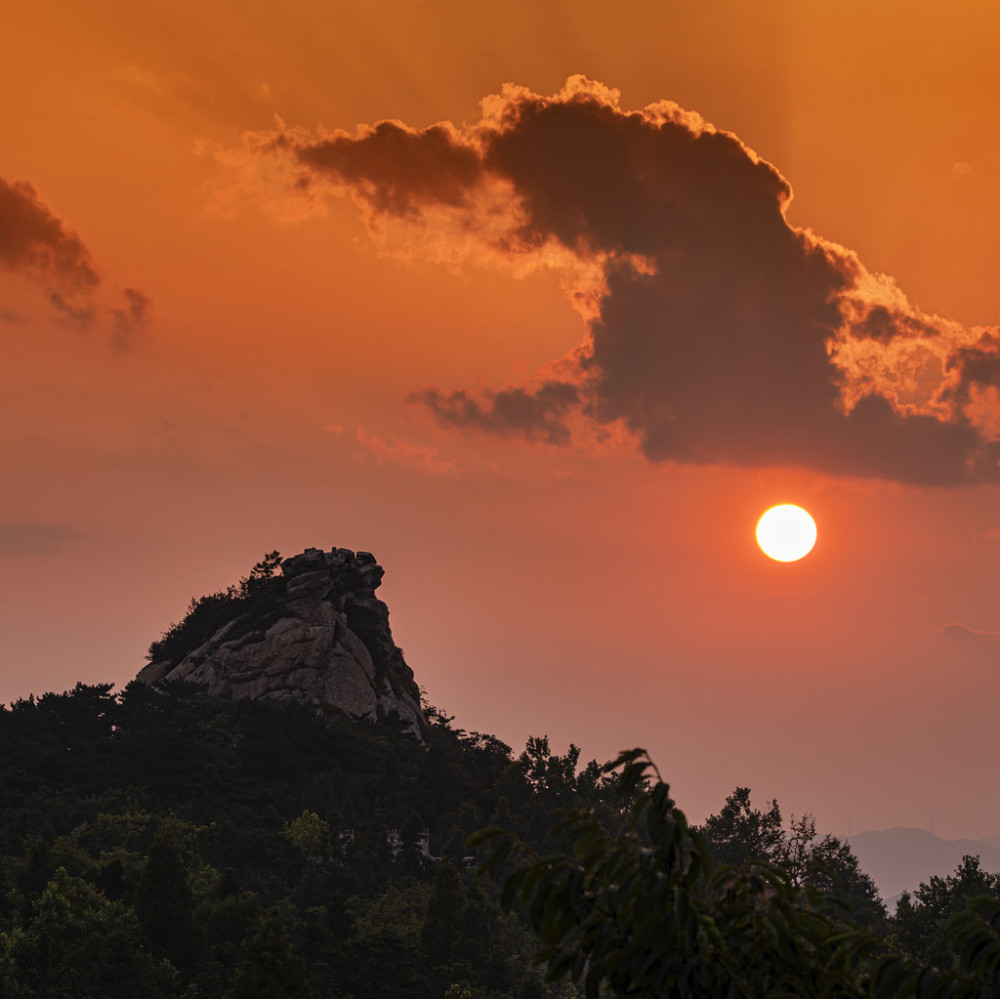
269 969
165 905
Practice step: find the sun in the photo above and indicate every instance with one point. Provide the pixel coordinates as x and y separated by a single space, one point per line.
786 533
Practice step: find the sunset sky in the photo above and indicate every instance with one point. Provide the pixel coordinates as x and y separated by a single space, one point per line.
547 342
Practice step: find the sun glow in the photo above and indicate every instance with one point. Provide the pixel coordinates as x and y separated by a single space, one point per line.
786 533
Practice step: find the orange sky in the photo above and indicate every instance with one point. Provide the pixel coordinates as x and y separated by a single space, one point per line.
241 383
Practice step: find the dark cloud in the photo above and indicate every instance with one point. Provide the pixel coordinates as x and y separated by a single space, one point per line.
35 539
79 311
36 243
130 319
717 331
401 170
538 414
964 634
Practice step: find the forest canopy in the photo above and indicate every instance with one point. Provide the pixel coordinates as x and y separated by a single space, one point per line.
167 843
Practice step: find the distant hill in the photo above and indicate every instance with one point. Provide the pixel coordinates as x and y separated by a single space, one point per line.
899 859
992 840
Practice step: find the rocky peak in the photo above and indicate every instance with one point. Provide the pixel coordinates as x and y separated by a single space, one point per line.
316 634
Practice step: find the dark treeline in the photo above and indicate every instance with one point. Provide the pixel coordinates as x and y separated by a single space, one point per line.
173 844
170 844
649 913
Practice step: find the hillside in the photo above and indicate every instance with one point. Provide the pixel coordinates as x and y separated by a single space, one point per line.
183 829
223 827
267 810
899 859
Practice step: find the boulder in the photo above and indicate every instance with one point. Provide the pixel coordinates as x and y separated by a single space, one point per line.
324 641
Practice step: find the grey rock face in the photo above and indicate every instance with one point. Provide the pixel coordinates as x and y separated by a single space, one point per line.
328 646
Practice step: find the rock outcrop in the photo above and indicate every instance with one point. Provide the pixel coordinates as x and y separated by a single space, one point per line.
324 641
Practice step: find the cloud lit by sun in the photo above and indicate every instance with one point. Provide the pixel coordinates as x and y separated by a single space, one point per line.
716 332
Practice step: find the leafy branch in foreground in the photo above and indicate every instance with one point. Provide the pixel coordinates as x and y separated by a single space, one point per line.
645 914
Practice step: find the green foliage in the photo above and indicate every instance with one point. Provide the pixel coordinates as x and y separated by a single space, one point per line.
171 844
387 944
269 968
309 833
740 835
79 945
920 919
192 816
165 905
974 932
644 913
443 934
250 603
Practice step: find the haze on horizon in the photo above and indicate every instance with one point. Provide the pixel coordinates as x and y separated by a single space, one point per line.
548 357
